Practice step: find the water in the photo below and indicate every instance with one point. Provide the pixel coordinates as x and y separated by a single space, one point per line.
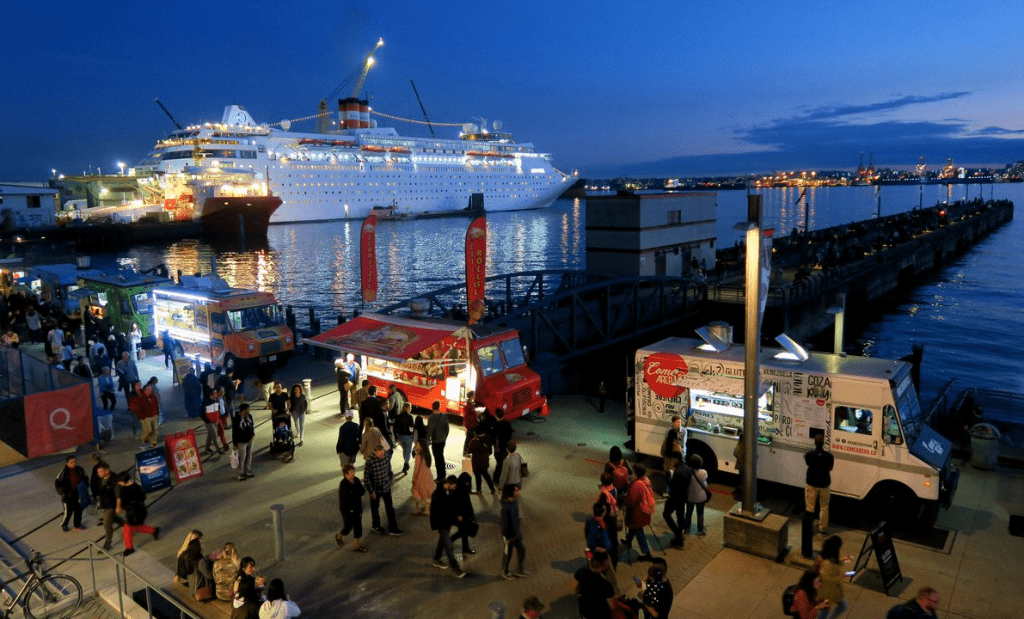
969 318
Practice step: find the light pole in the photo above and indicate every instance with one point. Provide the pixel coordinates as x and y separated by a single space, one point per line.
120 164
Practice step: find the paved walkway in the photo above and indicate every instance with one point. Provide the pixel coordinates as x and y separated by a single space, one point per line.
566 453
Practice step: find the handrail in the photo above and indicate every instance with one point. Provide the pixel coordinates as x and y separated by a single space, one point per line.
183 611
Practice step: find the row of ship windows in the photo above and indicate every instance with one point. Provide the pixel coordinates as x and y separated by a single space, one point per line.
437 186
376 200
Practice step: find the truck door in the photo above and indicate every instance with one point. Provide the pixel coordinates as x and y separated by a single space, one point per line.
856 447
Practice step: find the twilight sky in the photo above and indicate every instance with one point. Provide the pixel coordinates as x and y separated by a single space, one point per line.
661 88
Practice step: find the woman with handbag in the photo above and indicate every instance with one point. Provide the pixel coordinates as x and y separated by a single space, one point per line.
697 495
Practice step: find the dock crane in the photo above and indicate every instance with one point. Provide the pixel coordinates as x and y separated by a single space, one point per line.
169 115
420 101
324 113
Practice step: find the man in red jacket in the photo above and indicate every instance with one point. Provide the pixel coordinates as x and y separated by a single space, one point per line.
145 406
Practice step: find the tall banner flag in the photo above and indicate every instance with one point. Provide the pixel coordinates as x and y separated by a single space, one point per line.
368 258
766 271
476 267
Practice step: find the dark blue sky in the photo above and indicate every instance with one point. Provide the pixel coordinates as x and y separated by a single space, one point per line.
660 88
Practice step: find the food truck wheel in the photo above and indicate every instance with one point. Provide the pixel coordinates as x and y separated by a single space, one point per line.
706 454
894 503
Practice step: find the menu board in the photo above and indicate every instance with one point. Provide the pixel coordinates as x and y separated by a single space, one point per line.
183 455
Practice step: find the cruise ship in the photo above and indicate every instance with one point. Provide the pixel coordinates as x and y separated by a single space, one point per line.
345 174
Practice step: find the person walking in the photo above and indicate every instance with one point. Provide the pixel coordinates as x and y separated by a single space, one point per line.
511 467
107 390
395 401
830 570
806 604
442 518
423 485
106 499
214 426
372 438
923 606
349 438
596 594
278 604
466 526
146 408
131 502
127 374
167 348
697 495
502 432
819 478
277 401
378 478
437 434
243 433
678 492
619 469
297 405
613 517
469 420
404 430
192 394
67 484
480 458
640 502
512 533
350 503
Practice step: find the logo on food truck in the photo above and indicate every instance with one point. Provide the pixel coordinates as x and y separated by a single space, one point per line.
664 374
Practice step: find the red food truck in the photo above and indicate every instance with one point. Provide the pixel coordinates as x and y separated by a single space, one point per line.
432 359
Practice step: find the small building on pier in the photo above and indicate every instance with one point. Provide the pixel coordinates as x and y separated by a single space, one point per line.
652 234
25 206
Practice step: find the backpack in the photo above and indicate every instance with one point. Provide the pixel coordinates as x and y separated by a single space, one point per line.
647 504
787 601
620 475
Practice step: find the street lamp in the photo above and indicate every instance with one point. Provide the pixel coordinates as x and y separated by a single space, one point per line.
120 164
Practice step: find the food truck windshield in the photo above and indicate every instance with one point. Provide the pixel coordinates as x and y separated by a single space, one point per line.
491 360
256 317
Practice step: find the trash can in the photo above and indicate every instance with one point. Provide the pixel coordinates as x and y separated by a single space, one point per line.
984 446
307 387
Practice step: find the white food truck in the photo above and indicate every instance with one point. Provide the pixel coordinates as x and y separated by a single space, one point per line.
867 409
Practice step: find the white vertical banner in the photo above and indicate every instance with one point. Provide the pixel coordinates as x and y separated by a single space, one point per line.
766 272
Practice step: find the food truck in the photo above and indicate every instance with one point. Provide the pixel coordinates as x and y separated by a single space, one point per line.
55 283
226 326
867 409
432 359
121 300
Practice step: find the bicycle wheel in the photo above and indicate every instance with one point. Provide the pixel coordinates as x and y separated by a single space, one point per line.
53 597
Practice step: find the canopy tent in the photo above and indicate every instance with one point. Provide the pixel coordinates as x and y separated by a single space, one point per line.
395 339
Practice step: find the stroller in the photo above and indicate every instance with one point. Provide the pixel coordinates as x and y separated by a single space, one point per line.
283 443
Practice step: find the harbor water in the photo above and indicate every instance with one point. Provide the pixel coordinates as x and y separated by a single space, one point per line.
970 317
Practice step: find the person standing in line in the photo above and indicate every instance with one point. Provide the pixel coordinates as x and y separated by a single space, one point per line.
127 374
678 491
596 593
395 401
608 496
131 501
349 437
167 347
344 384
480 455
67 485
670 447
243 432
228 385
469 420
697 495
350 503
374 407
34 325
359 396
502 431
511 467
107 390
378 478
106 498
354 371
442 518
135 342
619 469
640 500
372 438
403 428
437 433
214 427
512 533
278 604
297 405
819 478
192 394
54 341
830 570
423 485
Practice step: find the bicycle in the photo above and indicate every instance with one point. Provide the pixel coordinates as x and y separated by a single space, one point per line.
46 596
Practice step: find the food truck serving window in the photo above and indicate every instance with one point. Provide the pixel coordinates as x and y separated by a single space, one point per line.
254 318
490 360
513 352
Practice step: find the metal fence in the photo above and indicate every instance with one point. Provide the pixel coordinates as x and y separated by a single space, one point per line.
21 374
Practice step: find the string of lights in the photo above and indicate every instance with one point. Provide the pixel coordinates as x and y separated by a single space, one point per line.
417 122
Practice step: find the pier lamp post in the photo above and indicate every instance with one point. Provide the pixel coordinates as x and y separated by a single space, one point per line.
120 164
751 367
